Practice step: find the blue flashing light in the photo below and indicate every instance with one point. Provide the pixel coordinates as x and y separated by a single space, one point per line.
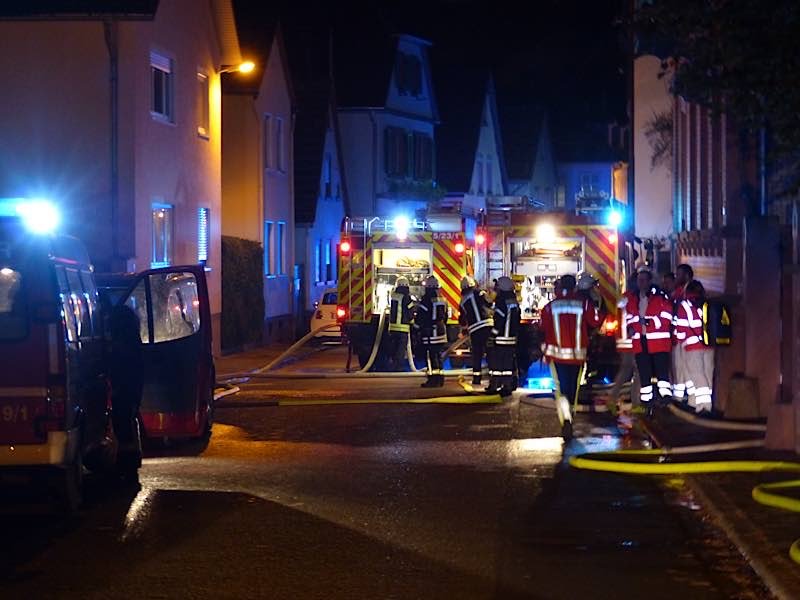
401 226
615 218
38 215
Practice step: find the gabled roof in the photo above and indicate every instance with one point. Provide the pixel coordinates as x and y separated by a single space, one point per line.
258 40
77 9
313 107
462 94
521 126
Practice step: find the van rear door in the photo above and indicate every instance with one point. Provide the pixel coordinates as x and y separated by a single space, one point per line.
175 319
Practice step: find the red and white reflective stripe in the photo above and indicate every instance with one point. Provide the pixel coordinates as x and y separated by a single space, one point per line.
691 340
680 335
664 389
646 393
554 351
680 322
666 315
657 335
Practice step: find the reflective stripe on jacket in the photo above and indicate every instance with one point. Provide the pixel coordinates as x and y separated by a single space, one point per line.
400 312
688 326
567 322
658 316
474 310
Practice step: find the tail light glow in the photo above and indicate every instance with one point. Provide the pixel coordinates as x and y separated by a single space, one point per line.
460 248
344 247
341 312
480 239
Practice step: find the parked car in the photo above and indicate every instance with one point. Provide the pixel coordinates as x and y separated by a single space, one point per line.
325 313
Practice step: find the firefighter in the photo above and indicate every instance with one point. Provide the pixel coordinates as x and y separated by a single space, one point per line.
430 317
567 321
649 321
696 360
400 308
683 276
503 341
474 317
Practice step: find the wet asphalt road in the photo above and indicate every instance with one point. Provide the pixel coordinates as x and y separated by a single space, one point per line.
375 501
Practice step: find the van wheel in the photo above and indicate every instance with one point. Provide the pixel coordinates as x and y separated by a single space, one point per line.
70 486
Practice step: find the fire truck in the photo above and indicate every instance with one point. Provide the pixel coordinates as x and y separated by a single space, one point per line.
532 247
374 252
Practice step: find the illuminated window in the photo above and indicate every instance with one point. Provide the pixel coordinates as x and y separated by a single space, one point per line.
162 218
268 233
328 263
203 110
279 162
280 267
266 138
162 82
203 234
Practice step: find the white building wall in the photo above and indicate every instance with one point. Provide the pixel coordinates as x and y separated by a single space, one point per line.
361 144
652 187
487 178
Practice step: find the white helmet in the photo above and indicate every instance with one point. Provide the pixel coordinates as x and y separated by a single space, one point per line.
586 281
505 284
402 281
431 282
467 282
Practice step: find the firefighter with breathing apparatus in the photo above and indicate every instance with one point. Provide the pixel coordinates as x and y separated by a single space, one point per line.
567 322
430 317
503 343
400 313
474 317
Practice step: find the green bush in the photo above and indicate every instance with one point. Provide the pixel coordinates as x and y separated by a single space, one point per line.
242 292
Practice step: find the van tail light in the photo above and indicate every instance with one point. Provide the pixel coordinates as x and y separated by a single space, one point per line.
341 313
318 315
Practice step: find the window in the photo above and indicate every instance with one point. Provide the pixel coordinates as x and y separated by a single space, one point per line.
162 99
175 305
13 308
203 235
332 245
408 73
203 110
396 141
278 132
162 217
280 267
423 156
329 298
326 176
328 265
590 182
267 141
79 305
318 262
268 226
137 302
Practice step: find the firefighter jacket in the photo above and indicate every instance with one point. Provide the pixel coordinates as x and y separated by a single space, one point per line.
400 310
567 322
506 320
429 317
657 322
474 310
624 342
688 326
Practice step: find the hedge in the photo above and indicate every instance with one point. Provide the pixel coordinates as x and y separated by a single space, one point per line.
242 292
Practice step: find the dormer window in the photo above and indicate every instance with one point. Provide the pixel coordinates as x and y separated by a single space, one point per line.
408 74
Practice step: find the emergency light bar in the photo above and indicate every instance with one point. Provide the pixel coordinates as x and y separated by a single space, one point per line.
38 215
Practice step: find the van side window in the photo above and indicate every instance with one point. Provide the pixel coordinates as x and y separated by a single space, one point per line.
176 306
66 304
137 301
79 304
90 293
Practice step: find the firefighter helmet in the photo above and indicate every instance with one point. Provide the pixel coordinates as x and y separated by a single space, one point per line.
586 281
467 282
431 282
401 282
505 284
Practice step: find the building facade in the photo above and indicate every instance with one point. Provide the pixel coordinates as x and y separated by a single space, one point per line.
388 146
257 173
117 118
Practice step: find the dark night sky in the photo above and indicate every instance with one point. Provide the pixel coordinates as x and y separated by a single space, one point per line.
564 55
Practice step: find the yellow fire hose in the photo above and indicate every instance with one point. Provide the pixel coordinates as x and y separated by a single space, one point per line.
764 493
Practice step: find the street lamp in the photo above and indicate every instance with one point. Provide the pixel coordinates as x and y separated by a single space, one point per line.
244 67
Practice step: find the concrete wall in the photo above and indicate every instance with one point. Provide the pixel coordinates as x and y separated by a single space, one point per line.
55 124
360 151
652 186
241 169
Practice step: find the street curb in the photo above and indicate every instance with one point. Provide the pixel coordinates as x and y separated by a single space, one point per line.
741 532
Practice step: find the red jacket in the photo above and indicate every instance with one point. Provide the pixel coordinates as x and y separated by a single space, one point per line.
566 322
688 326
658 317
